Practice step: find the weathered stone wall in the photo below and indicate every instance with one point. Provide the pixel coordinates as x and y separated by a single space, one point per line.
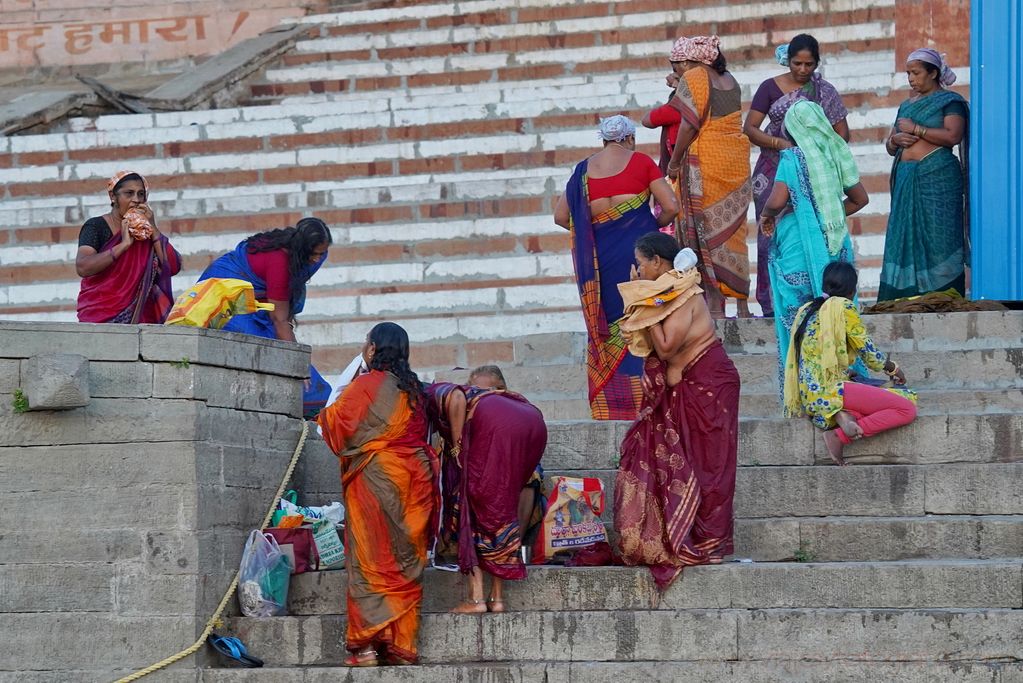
122 522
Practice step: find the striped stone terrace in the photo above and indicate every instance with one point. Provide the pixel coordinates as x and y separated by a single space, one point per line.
434 138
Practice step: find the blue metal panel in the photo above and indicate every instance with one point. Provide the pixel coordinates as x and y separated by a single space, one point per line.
996 149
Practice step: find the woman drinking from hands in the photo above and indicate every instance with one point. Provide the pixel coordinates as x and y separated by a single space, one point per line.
125 262
924 249
606 206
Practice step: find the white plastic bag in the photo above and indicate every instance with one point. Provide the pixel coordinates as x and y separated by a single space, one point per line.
263 577
335 512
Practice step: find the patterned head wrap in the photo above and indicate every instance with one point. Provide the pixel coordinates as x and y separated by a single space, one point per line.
704 49
616 128
925 54
781 54
121 175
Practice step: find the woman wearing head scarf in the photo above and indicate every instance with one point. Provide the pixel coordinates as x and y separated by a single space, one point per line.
125 262
925 247
606 206
279 263
378 430
816 186
802 56
710 162
675 483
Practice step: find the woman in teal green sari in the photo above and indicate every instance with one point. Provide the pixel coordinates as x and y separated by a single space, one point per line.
925 247
816 186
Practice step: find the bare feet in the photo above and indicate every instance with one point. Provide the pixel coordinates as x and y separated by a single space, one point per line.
367 657
471 607
849 425
834 446
495 605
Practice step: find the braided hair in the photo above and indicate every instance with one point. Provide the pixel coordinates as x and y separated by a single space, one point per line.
391 354
300 242
840 279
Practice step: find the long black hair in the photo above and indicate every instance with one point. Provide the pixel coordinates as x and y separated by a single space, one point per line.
657 243
391 355
839 280
299 242
720 64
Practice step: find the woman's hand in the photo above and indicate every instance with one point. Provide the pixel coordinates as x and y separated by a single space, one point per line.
904 140
905 125
673 171
671 80
633 272
126 239
767 225
783 144
148 213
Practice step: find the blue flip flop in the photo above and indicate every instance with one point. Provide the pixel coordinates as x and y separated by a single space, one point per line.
234 649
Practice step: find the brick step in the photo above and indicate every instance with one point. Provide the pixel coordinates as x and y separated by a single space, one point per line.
743 36
499 32
425 17
562 147
428 191
762 671
366 77
919 635
930 583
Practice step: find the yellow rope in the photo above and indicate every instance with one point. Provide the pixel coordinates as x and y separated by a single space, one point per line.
234 582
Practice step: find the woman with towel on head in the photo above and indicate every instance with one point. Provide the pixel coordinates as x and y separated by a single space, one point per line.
675 483
710 166
125 262
606 206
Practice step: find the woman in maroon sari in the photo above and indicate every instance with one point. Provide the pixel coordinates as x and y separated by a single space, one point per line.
772 100
493 441
674 488
124 261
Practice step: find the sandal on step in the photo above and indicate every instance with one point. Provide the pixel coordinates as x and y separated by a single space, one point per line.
495 606
234 649
364 658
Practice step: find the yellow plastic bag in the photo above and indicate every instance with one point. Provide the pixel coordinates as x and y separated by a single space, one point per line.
211 303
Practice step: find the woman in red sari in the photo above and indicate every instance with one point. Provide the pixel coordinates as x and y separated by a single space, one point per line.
377 428
125 262
674 488
493 440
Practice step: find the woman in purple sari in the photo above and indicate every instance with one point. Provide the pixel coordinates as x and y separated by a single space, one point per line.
772 100
493 441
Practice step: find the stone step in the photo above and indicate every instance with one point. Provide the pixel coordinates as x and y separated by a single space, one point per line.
931 583
871 490
864 635
761 671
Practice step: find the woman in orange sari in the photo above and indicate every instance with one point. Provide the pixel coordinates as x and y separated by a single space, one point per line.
710 164
378 429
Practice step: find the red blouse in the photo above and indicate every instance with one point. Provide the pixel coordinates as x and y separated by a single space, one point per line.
272 266
634 178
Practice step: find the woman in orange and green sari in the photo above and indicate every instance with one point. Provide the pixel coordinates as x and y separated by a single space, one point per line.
606 206
710 164
378 429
